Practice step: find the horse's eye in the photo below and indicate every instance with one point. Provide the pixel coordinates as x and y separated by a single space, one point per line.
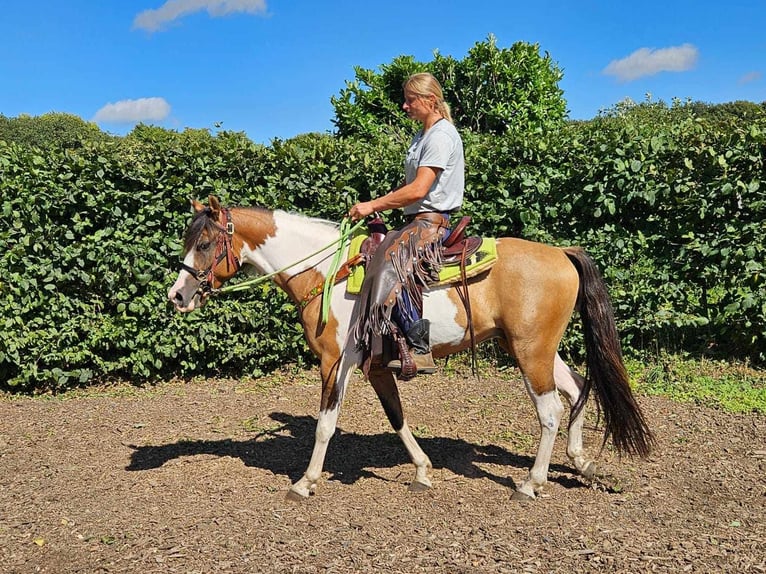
204 246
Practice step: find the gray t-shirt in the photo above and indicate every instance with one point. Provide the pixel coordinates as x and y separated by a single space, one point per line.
439 147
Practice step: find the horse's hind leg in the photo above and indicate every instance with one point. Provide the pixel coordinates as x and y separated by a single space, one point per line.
384 383
542 390
571 385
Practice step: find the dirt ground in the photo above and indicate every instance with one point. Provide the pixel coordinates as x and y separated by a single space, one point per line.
191 478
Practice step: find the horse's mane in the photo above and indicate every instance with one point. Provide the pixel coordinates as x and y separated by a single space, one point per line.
202 221
310 219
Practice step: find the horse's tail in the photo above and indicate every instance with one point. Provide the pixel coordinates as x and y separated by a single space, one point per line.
605 371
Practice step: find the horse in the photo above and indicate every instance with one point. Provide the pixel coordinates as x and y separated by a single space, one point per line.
525 301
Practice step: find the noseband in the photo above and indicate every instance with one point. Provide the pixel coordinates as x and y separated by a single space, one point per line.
223 250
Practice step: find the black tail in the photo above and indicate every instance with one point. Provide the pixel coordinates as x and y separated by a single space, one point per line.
605 371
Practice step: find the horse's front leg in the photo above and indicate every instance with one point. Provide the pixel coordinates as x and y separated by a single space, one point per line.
306 485
384 383
334 380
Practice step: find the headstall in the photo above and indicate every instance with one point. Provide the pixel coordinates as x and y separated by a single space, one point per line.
223 250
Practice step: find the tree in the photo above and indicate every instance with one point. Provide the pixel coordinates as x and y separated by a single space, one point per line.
492 90
497 90
371 104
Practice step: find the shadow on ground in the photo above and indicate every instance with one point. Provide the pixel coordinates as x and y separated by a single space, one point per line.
286 450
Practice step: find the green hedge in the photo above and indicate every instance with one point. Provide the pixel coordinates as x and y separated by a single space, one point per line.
671 207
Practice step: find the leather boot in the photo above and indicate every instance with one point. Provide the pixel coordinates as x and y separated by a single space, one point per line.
418 338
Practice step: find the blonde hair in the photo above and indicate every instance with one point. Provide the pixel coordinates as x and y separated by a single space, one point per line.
424 85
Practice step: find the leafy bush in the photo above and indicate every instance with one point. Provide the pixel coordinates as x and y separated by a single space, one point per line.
669 201
52 130
89 246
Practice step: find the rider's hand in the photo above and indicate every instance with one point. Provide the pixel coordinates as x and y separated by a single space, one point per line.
360 210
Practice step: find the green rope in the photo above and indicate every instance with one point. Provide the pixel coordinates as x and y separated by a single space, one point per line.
340 242
329 281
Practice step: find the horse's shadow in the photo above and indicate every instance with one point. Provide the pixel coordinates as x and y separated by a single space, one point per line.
286 450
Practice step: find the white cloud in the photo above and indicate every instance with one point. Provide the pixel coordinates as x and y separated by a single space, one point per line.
751 77
133 111
648 61
154 20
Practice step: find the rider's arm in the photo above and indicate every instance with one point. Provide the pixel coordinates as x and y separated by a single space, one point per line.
401 196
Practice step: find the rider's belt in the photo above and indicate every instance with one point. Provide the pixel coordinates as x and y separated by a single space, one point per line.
440 218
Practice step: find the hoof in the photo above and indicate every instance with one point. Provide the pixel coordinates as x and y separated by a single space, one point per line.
590 471
295 496
519 496
419 487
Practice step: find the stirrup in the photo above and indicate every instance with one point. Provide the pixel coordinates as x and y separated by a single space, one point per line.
424 363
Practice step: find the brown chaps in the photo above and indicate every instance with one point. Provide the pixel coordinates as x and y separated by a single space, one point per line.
406 260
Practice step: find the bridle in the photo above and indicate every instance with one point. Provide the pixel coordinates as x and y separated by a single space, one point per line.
223 250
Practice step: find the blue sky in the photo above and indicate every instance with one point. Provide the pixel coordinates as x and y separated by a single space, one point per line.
270 67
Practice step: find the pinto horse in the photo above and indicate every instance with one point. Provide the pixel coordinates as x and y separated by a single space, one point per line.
525 301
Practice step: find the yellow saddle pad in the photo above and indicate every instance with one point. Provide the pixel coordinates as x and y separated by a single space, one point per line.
483 259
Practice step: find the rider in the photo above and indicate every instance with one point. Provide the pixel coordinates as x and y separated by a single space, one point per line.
433 188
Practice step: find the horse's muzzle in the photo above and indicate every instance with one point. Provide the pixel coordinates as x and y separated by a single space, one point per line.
183 304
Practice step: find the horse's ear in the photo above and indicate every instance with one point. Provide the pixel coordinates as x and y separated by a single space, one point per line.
215 207
197 206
